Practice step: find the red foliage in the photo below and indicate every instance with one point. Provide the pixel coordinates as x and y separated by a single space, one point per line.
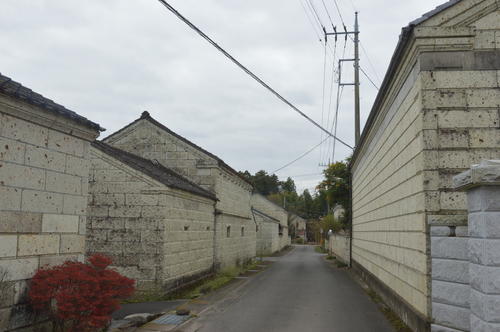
80 296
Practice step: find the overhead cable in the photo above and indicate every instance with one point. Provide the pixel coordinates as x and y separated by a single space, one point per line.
246 70
301 156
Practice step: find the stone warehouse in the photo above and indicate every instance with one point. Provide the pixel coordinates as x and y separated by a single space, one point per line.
43 188
235 230
157 226
272 225
437 113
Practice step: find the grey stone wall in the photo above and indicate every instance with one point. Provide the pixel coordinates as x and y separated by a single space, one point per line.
437 116
466 260
339 245
450 278
267 233
43 190
159 236
146 138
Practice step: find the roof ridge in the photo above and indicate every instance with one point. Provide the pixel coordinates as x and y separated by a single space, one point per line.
15 89
146 116
134 161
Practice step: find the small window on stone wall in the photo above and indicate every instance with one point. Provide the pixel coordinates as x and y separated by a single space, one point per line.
186 228
228 231
208 228
242 231
256 228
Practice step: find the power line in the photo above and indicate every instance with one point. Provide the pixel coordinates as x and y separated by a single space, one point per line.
310 21
246 70
304 175
369 61
315 13
338 10
327 12
301 156
368 77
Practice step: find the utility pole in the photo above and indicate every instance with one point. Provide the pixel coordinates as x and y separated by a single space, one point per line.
356 81
346 34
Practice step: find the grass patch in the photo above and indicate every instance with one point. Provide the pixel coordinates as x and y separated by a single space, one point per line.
390 315
330 257
340 264
197 289
320 250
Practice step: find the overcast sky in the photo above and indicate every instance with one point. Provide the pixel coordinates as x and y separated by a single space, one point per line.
109 60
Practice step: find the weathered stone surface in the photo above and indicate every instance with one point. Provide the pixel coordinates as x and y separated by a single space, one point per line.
450 270
487 172
20 268
30 245
438 328
451 293
42 201
485 279
478 325
58 223
485 306
449 247
72 244
42 172
8 245
451 316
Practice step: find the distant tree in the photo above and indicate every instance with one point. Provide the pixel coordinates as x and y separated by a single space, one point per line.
335 187
288 185
264 183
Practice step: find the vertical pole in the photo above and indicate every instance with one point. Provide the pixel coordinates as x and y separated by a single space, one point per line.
356 81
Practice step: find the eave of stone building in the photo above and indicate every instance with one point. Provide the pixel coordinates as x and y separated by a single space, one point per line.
44 111
447 20
157 172
145 116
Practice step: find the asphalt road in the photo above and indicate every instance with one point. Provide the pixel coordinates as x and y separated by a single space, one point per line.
299 292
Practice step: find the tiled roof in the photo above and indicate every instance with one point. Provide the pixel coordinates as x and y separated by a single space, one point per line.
18 91
146 116
433 12
153 169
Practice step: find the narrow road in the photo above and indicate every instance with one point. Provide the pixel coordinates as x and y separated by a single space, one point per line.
299 292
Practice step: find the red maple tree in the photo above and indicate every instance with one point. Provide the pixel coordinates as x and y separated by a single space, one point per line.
80 296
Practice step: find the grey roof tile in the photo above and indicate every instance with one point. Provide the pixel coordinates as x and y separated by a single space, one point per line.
155 170
18 91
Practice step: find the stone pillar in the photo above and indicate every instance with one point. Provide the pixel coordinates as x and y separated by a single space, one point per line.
482 184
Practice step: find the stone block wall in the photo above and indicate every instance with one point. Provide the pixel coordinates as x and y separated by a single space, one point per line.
339 245
450 278
43 190
150 139
233 212
389 227
437 114
236 240
267 234
275 213
159 236
466 260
